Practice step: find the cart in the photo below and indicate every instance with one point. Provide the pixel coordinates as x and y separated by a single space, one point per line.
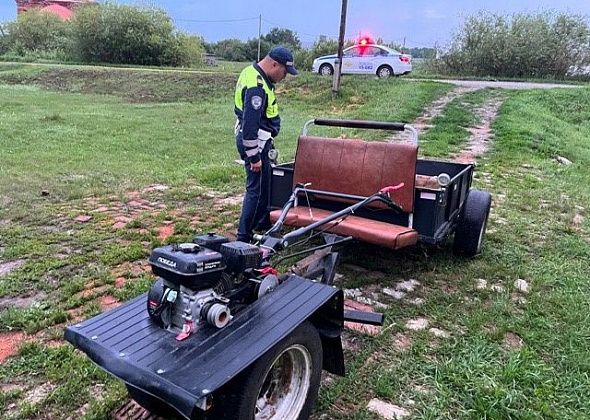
222 334
436 199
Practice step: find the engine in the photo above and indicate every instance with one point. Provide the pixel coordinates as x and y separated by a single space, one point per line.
201 282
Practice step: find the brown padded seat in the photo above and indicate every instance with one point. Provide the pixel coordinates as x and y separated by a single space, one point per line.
357 167
361 168
366 230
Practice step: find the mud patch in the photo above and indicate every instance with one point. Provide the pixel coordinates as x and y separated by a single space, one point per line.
512 341
164 232
386 410
77 314
39 393
108 302
417 324
9 344
22 301
132 269
402 342
235 200
6 268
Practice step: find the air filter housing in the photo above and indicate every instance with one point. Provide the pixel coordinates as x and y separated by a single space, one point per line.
240 256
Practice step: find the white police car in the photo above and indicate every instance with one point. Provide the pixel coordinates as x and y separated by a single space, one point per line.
366 59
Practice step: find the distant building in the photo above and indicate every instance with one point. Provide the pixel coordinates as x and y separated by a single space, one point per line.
209 59
62 8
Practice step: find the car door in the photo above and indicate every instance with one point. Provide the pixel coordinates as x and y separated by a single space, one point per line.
369 60
350 58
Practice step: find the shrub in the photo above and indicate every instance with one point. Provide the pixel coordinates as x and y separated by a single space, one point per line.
114 33
236 50
4 39
37 33
522 45
304 58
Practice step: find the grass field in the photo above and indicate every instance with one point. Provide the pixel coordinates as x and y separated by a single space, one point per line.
78 141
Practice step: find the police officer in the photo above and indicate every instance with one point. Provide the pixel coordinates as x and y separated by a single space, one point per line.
258 123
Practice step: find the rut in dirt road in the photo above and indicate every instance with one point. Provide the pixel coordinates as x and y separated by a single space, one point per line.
423 122
436 108
481 134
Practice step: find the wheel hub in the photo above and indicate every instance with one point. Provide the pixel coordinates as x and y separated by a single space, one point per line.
285 387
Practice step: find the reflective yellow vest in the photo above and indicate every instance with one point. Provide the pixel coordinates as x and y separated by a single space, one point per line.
249 78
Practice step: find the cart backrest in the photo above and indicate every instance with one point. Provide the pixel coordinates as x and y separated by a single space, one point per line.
357 167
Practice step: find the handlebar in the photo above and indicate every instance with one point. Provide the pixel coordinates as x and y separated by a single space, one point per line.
370 125
271 240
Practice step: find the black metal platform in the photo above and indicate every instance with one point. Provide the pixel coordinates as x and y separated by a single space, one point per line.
126 343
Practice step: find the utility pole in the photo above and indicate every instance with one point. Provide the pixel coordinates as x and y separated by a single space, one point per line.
338 63
259 34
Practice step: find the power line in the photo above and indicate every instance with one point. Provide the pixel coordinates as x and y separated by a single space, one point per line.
284 27
217 21
300 34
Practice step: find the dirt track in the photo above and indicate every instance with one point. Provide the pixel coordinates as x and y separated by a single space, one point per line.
482 84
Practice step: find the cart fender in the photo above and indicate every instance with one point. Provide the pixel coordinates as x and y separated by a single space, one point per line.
128 344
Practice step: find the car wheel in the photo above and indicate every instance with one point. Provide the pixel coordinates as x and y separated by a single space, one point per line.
152 404
326 70
283 384
472 223
384 72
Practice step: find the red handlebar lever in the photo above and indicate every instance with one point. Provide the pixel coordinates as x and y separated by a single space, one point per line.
391 188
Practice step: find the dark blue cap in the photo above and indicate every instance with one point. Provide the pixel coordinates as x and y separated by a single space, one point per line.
285 57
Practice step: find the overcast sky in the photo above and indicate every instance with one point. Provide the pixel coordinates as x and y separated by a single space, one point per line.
421 22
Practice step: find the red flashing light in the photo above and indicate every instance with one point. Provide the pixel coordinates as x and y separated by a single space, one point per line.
363 43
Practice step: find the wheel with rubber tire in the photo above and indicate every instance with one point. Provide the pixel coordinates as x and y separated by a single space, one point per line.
472 223
326 70
152 404
283 384
384 72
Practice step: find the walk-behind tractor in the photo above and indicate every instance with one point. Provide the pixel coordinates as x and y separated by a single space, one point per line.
222 334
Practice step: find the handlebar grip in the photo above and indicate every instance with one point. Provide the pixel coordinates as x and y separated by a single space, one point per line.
392 188
373 125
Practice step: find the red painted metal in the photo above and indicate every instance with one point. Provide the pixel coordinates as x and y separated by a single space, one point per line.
62 8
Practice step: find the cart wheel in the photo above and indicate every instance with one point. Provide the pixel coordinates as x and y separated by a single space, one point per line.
152 404
281 385
472 223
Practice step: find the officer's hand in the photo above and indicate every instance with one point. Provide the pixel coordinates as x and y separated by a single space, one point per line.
255 167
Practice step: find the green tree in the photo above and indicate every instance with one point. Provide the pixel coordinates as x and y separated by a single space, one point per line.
230 49
284 37
251 48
